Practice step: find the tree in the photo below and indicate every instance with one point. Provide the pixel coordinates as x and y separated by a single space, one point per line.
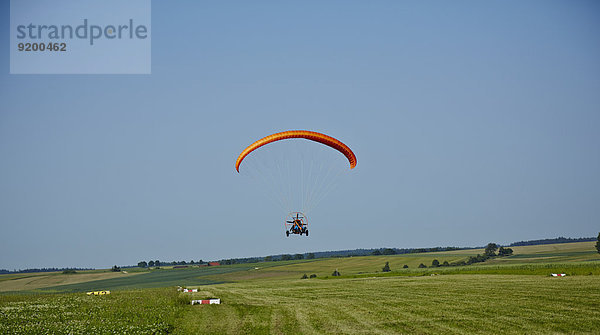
435 263
304 276
268 258
286 257
422 265
445 263
405 266
490 250
386 267
336 273
157 263
504 251
598 244
310 256
142 264
376 253
298 256
151 263
115 269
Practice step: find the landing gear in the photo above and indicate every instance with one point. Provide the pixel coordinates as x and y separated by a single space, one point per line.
296 223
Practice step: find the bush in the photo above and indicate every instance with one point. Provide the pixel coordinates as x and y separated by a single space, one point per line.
69 272
313 276
435 263
422 266
336 273
386 268
405 266
304 276
445 263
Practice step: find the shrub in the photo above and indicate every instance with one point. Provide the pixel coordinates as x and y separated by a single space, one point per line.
435 263
336 273
313 276
405 266
386 267
422 266
304 276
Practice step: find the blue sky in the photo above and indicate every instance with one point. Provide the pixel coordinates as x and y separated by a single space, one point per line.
473 122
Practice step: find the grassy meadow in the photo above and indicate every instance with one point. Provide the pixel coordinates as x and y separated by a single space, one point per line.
509 295
461 304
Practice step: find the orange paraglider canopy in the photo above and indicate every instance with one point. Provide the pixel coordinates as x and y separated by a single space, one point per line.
305 134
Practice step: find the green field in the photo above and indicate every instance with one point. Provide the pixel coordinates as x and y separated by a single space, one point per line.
509 295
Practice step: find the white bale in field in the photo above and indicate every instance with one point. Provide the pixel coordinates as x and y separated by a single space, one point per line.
207 302
190 290
559 274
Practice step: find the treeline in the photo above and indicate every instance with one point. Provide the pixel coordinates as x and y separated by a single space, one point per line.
4 271
242 260
336 254
381 251
144 264
553 241
396 251
272 258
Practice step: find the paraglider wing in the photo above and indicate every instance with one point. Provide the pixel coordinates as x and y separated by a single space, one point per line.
305 134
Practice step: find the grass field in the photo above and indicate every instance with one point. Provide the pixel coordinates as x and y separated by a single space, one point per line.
462 304
459 304
510 295
42 280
